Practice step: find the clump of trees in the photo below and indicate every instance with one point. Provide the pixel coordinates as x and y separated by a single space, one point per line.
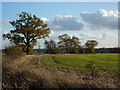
70 45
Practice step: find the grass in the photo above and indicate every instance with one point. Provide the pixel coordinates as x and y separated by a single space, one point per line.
79 62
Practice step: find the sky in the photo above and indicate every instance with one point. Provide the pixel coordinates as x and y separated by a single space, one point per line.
86 20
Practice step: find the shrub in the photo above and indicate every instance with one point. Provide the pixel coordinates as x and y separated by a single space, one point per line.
92 68
41 53
13 51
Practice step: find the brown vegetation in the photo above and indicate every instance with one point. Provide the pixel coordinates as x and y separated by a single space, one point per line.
13 51
27 72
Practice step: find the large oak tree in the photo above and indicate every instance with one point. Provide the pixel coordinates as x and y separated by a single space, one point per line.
27 29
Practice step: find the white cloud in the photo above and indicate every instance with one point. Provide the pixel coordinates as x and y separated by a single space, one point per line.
67 22
88 35
110 35
101 20
74 34
44 19
106 35
51 33
99 37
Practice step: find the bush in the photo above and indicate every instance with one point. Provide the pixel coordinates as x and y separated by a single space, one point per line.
41 53
13 51
92 68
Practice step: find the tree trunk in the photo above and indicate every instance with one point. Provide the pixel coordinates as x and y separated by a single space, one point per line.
27 50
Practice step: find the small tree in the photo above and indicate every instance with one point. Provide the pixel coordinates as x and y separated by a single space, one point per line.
27 29
51 47
63 43
90 46
73 44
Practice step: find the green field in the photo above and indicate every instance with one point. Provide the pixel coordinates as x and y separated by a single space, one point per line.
79 62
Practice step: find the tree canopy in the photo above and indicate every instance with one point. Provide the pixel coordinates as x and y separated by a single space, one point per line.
90 45
68 44
27 29
51 47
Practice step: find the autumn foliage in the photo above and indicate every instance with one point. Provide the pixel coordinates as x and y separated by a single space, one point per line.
27 29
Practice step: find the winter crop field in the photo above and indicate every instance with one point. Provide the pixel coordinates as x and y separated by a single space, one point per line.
82 62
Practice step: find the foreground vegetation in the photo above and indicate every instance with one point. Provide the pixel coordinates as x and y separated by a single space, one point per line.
28 72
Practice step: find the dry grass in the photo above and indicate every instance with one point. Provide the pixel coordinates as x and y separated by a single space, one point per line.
27 72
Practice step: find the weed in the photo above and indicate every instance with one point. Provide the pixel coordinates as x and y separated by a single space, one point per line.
92 68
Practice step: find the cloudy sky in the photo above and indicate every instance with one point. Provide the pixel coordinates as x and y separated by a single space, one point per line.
86 20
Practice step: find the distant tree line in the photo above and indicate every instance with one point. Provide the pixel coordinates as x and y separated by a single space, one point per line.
69 45
108 50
